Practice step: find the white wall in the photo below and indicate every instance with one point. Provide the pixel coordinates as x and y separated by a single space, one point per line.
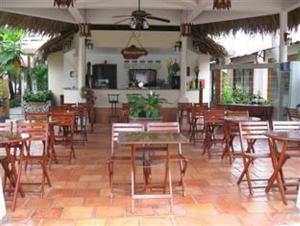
99 56
70 64
260 82
55 74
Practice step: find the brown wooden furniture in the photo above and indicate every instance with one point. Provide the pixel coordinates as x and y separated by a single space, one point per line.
183 111
12 166
149 138
293 114
264 112
168 127
249 133
39 135
37 116
116 157
213 120
80 123
197 122
231 130
124 113
63 132
280 153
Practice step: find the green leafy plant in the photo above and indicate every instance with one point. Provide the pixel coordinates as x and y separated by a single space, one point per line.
145 106
40 73
40 96
14 103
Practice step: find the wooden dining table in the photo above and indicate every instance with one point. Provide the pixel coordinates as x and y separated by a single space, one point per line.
279 155
8 162
137 139
231 130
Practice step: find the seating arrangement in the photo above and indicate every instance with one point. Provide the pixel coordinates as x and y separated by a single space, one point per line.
293 114
250 133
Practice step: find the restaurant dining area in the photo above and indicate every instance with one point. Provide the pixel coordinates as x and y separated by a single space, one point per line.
134 113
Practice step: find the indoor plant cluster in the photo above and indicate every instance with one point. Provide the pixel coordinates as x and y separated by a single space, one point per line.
145 106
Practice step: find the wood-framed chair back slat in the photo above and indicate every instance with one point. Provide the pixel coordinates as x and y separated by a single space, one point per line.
37 116
163 126
293 114
237 113
286 125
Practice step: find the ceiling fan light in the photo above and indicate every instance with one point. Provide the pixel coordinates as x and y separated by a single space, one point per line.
132 24
63 3
222 4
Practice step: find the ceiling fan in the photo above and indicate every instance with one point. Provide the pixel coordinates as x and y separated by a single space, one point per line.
138 18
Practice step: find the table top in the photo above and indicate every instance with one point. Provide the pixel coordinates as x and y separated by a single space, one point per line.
241 118
13 137
151 138
285 136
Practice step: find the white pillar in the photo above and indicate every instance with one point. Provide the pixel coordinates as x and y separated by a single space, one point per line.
183 65
283 54
81 62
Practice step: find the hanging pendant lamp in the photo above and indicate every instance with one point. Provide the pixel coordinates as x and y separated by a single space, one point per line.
222 4
63 3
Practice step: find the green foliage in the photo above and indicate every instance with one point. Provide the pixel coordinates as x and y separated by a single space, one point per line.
145 106
239 96
14 103
40 73
40 96
10 52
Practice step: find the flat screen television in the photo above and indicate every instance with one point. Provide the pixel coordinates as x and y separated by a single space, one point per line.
147 76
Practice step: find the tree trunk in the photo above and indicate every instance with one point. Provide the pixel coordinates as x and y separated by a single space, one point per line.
11 90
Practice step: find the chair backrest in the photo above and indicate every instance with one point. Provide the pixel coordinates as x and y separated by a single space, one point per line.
198 110
37 116
117 128
214 116
286 125
205 105
61 108
184 106
237 113
163 127
38 131
254 130
6 127
63 118
293 114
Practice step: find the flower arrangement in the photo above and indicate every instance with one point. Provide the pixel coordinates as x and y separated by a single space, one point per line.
173 68
196 70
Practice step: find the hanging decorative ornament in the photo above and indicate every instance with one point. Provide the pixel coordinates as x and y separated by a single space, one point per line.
63 3
132 51
222 4
186 29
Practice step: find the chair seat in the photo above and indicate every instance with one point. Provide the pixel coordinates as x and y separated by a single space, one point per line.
173 157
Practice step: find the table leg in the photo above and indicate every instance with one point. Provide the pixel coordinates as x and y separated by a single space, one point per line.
133 177
276 174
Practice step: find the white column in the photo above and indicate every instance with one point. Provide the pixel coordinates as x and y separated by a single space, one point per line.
81 62
183 65
283 54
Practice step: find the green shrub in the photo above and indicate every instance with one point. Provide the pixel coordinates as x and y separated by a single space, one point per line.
14 103
41 96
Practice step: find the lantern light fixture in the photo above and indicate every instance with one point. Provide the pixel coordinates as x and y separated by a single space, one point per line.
63 3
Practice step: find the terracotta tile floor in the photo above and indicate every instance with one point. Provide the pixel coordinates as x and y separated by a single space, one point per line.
80 194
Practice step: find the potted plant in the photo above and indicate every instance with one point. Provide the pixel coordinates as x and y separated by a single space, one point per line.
38 102
145 108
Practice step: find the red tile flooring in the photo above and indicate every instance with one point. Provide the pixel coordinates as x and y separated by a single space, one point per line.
80 194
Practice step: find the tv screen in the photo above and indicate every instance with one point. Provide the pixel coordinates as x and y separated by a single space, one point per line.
147 76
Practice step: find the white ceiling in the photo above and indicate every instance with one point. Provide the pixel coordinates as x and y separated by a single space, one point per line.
178 11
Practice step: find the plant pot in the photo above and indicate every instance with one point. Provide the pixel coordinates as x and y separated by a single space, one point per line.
144 119
37 106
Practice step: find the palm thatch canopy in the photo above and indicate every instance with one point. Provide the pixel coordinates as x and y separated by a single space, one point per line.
35 24
206 45
56 44
253 25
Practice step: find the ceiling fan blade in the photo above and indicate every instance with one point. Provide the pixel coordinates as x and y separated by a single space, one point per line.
158 18
120 21
120 16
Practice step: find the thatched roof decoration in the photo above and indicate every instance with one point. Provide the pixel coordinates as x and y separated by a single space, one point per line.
254 25
35 24
56 44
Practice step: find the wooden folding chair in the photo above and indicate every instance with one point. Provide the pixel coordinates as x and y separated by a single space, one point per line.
183 111
39 133
197 122
168 127
213 119
63 133
117 157
37 116
249 133
293 114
